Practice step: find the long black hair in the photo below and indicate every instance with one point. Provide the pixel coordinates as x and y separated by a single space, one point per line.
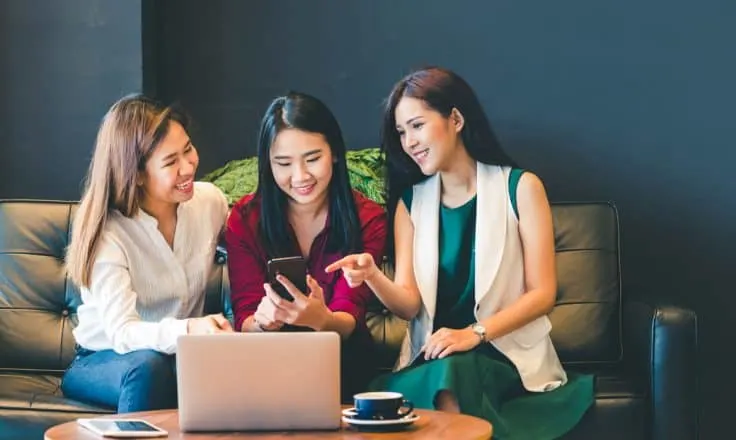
441 90
306 113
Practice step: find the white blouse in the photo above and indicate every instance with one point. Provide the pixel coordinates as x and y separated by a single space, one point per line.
141 290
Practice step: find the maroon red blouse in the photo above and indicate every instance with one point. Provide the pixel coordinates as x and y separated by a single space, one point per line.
247 260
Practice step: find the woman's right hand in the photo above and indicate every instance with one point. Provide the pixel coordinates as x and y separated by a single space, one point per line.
208 325
356 268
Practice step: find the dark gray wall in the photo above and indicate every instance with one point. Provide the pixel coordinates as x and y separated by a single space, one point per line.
627 101
62 63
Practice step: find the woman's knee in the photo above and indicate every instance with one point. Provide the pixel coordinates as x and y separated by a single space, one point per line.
149 383
73 382
150 367
445 400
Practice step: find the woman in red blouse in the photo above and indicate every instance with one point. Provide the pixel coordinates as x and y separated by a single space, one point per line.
304 206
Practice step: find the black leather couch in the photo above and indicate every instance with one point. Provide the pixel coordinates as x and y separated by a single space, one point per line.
644 355
37 314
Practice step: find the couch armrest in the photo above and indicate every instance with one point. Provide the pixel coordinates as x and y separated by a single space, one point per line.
660 345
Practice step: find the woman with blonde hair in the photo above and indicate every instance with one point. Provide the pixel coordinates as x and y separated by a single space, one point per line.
141 251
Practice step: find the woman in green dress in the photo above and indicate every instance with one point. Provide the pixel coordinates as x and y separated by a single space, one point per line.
474 268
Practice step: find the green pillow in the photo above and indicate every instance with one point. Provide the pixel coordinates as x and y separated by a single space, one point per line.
240 177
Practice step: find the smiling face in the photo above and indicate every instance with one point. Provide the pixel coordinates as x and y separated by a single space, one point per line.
301 163
427 136
168 177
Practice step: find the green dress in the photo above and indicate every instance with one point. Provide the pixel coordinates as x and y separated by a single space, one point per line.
485 383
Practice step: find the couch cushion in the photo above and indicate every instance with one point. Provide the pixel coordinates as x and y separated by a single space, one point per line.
38 392
37 303
621 409
387 332
32 403
586 321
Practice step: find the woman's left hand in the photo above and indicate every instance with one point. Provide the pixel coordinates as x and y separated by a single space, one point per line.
446 341
306 310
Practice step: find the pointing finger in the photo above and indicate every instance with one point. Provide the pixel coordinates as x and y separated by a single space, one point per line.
347 261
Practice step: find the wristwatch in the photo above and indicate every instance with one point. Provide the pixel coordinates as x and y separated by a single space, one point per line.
479 330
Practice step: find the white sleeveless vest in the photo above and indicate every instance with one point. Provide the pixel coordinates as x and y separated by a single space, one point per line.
499 277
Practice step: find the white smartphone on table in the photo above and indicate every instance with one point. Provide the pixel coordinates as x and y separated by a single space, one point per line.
122 428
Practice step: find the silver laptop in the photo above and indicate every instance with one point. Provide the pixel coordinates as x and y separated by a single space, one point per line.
259 381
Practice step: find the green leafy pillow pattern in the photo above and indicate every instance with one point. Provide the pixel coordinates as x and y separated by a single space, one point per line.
240 177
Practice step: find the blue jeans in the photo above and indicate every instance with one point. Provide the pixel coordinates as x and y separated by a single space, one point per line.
137 381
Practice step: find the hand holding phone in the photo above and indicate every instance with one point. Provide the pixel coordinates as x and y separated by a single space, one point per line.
294 269
307 310
122 428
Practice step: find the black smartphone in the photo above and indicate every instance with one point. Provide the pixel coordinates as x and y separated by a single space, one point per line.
294 269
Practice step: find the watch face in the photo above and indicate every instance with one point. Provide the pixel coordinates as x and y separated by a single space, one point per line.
479 329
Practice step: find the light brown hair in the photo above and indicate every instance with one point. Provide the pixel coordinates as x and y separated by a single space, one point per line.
128 134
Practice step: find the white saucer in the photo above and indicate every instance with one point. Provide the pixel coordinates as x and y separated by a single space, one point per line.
349 414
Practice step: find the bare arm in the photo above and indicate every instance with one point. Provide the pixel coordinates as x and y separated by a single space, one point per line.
401 296
537 239
340 322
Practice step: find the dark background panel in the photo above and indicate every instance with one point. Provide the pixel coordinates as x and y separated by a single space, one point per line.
61 65
625 101
620 101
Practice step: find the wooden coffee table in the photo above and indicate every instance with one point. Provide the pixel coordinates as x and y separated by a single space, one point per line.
431 424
